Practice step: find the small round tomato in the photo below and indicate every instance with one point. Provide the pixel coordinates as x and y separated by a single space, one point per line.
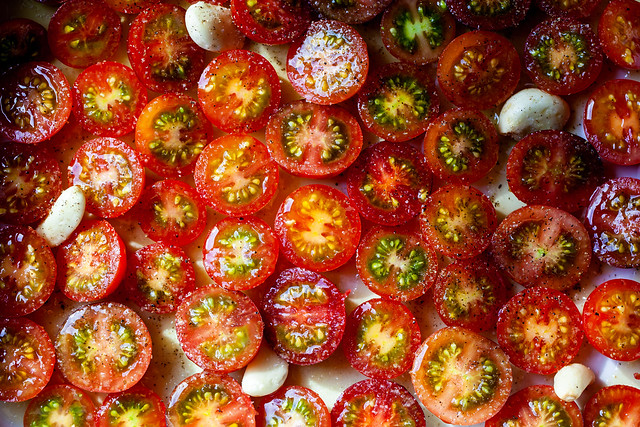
129 6
458 221
396 263
171 132
329 64
235 175
304 314
314 141
568 8
92 262
619 34
350 12
293 404
240 253
612 121
461 146
461 376
83 32
159 277
171 211
489 14
377 403
57 403
272 21
238 91
22 40
318 228
542 246
478 69
611 317
110 174
613 220
26 359
389 183
30 183
562 56
613 405
208 398
35 102
398 101
138 406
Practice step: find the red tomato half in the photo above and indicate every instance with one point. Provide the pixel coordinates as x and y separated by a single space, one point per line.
619 33
22 40
293 404
613 405
489 15
272 21
351 12
60 402
138 406
129 6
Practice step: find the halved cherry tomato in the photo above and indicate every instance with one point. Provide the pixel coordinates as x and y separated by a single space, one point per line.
613 220
568 8
304 315
611 317
110 174
138 406
58 403
103 347
129 6
613 405
83 32
235 175
22 40
272 21
318 228
619 33
292 404
312 140
92 262
35 102
350 11
542 246
461 376
329 64
489 14
26 359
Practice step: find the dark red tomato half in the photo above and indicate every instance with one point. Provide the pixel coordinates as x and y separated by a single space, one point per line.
293 404
192 400
35 102
568 8
478 69
161 52
138 406
22 40
540 329
469 293
103 347
488 14
272 21
461 146
83 32
458 221
613 221
129 6
350 11
92 262
240 253
235 175
238 91
172 212
396 263
562 56
110 174
542 246
389 183
159 276
611 317
381 338
329 63
612 121
60 402
613 405
171 132
619 33
314 141
554 168
377 403
26 361
536 405
304 315
30 183
461 376
398 101
318 228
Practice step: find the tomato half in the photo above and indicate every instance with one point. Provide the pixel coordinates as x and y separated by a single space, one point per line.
351 11
619 34
489 14
304 314
611 317
58 403
568 8
613 405
138 406
292 404
272 21
461 376
22 40
129 6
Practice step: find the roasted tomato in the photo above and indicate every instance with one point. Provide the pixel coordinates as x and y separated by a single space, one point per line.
611 317
613 220
22 40
542 246
568 8
460 376
138 406
613 405
478 69
59 403
329 64
389 183
304 315
489 14
562 56
272 21
619 33
312 140
35 102
318 228
290 405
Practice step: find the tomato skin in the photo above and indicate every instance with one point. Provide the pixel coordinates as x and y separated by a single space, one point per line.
138 406
271 22
618 33
616 404
290 402
22 40
129 6
577 8
483 16
355 12
69 400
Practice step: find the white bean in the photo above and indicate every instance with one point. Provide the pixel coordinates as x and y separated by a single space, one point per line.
531 110
265 373
64 216
211 27
570 381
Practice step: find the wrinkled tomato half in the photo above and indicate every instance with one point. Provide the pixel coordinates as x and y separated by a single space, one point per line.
489 14
138 406
272 21
619 33
613 405
293 404
22 40
60 402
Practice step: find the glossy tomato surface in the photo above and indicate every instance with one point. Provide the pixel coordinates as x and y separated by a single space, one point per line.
272 21
60 402
292 404
619 35
138 406
489 15
613 405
